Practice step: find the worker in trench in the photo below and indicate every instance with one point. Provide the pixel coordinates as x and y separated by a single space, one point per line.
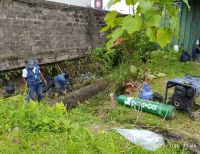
33 77
61 82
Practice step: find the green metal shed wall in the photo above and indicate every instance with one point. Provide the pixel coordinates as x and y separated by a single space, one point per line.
189 26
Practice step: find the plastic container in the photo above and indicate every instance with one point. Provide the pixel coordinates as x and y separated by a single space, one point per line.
146 93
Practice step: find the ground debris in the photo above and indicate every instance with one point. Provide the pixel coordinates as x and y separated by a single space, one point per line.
191 145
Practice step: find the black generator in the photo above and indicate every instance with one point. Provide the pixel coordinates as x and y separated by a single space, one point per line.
186 90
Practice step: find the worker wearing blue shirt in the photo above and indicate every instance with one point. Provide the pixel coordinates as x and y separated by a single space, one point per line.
61 81
32 78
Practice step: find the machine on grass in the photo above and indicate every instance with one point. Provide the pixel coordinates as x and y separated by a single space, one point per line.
186 92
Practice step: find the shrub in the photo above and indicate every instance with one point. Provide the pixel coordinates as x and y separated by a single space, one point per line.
106 61
16 113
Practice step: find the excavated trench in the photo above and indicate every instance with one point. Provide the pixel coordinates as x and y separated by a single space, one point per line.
72 99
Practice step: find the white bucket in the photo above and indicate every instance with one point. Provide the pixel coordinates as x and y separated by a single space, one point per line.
176 48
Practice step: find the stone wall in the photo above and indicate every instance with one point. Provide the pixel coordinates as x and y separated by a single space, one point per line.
47 31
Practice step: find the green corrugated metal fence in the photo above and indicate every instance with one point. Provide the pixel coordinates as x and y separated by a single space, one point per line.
189 26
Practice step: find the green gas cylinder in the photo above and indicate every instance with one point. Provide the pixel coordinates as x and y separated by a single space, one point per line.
163 110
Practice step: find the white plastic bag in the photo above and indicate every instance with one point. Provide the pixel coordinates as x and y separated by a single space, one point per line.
147 139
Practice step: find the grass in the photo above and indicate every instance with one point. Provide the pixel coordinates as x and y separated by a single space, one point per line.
79 133
90 127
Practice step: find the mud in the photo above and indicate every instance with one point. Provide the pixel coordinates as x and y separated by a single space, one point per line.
192 146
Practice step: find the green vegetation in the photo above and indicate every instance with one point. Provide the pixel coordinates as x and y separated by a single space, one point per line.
39 128
73 67
150 16
89 128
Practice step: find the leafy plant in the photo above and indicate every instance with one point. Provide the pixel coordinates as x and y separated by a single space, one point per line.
107 60
149 16
31 117
39 128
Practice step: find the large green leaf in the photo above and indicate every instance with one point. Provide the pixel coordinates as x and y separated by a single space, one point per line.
104 29
118 21
131 2
164 2
117 33
172 11
146 7
110 17
127 20
132 24
109 44
128 2
153 20
164 36
151 32
109 36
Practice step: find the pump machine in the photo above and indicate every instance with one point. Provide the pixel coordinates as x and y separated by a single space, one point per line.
186 92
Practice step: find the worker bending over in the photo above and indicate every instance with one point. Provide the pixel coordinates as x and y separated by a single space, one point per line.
61 82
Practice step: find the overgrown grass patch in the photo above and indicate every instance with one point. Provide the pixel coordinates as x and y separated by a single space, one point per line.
39 128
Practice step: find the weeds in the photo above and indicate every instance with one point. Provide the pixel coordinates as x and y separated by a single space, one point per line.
39 128
45 129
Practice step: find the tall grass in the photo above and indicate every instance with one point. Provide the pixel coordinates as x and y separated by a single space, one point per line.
39 128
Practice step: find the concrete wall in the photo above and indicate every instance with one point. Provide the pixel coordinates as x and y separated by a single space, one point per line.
47 31
84 3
